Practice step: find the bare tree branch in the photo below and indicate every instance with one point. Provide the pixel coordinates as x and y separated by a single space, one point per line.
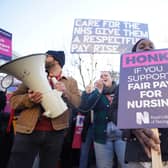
80 71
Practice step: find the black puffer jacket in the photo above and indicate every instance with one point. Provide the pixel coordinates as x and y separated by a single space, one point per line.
6 138
134 150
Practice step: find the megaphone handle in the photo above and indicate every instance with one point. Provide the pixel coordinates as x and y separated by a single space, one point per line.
54 80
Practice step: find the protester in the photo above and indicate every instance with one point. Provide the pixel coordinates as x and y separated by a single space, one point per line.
107 137
69 157
87 132
6 136
35 133
140 141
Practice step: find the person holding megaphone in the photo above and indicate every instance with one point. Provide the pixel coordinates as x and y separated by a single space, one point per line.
37 133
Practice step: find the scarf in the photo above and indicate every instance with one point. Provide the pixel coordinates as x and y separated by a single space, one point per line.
109 90
109 93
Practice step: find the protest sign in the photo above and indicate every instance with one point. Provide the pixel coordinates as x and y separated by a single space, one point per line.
5 45
93 36
143 90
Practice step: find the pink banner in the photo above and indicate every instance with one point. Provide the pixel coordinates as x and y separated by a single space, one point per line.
145 58
5 46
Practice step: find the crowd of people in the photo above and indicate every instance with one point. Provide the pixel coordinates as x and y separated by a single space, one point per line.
45 142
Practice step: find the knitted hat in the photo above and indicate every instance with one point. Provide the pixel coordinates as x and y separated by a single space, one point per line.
58 56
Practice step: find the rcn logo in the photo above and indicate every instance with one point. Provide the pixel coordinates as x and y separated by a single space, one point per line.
142 118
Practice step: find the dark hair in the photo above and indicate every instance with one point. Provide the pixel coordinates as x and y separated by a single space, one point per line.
2 100
135 45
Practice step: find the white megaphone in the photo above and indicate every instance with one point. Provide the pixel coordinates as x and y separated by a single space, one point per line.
31 71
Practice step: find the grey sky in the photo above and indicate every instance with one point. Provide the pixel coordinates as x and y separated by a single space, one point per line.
40 25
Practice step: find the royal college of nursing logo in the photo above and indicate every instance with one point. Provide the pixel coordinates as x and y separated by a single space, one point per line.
142 118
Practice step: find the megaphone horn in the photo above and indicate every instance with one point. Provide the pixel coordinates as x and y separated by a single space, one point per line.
31 71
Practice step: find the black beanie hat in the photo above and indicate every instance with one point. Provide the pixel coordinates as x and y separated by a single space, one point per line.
58 56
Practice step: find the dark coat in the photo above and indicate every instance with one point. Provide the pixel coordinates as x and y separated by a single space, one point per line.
103 112
134 150
6 139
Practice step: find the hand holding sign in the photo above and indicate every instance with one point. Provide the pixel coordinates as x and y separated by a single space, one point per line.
143 80
148 140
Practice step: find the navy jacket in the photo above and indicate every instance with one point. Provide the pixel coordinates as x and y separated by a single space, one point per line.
101 107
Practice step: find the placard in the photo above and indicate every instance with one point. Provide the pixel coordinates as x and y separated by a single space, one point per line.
143 90
5 45
106 36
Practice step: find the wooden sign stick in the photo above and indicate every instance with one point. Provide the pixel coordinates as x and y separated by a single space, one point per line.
156 157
